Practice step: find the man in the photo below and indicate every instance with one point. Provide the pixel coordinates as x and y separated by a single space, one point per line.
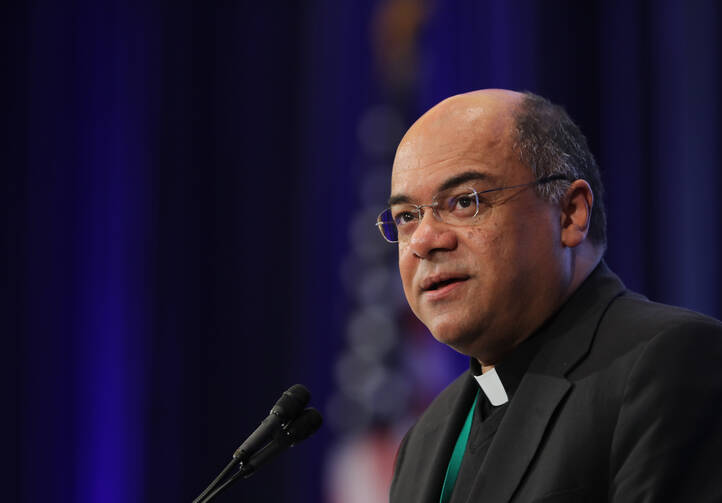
578 389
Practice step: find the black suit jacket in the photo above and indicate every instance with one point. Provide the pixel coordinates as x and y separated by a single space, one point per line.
623 403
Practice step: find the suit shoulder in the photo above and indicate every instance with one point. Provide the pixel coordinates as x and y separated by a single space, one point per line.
632 322
637 316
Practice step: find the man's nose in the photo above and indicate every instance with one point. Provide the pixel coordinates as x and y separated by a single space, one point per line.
431 235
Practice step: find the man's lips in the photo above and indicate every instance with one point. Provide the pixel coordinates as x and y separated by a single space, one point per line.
438 281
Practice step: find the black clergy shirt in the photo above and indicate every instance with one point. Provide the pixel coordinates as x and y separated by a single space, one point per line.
488 417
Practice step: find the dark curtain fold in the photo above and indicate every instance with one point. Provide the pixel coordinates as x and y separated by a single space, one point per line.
180 182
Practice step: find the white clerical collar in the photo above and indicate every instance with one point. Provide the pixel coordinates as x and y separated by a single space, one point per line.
492 387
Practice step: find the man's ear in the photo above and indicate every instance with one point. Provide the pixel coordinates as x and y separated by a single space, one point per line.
576 213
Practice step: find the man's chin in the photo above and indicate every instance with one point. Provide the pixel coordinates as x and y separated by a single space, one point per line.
460 341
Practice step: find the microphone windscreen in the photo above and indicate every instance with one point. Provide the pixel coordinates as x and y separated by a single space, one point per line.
291 403
304 426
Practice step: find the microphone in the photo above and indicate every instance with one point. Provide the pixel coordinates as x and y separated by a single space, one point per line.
300 429
287 408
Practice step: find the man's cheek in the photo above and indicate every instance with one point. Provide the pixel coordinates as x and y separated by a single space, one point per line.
480 240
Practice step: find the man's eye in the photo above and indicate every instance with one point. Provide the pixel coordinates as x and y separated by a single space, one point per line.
404 217
464 202
462 205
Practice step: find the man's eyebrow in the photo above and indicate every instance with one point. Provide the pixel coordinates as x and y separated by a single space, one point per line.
399 199
464 177
454 181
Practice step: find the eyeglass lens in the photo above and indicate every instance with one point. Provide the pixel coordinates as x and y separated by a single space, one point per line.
387 227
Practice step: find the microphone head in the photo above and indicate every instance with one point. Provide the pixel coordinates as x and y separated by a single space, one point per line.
291 403
304 426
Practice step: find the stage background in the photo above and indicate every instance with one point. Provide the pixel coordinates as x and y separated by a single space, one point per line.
190 192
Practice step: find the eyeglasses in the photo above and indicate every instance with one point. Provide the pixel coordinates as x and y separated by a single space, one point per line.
457 206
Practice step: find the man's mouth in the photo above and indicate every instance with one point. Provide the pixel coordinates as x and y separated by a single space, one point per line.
438 282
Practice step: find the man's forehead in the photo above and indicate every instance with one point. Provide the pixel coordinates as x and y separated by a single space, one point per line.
458 135
461 119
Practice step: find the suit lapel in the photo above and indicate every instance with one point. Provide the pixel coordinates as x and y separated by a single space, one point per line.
427 456
543 387
438 442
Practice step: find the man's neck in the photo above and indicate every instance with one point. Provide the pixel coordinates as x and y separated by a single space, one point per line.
585 259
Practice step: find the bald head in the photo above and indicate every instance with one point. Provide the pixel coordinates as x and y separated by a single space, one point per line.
486 102
455 124
476 105
485 284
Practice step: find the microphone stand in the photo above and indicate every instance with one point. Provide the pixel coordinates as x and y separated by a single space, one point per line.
218 490
216 481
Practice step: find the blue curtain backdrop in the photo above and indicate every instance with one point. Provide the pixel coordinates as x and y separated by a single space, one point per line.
180 181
